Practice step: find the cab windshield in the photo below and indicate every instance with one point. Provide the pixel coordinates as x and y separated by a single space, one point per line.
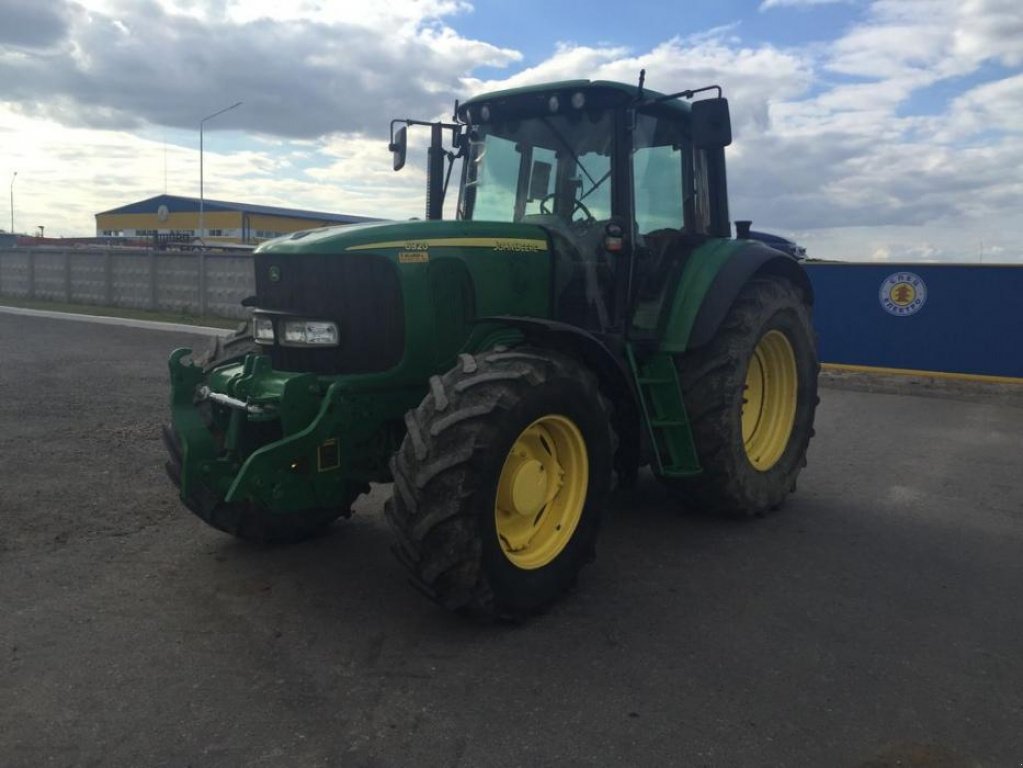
540 168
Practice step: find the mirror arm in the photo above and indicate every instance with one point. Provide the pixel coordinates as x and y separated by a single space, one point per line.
684 94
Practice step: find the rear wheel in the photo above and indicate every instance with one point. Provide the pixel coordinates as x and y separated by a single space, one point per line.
500 480
751 394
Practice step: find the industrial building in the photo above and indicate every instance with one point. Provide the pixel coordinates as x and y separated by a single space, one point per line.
173 218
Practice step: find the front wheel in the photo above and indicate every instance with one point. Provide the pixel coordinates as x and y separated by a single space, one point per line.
751 394
500 480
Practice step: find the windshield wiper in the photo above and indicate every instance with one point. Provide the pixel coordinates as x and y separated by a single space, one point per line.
571 151
596 184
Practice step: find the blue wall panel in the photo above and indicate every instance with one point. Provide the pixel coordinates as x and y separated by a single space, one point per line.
971 321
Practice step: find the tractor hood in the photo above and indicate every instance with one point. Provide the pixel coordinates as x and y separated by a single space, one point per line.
383 283
410 237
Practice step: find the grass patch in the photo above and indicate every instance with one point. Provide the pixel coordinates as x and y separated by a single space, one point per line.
184 318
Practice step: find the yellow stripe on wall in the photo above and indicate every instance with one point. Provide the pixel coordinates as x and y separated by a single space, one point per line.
911 372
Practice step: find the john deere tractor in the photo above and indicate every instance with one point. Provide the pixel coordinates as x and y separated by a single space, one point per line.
585 313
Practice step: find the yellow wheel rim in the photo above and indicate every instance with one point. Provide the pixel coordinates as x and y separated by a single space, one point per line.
541 492
769 403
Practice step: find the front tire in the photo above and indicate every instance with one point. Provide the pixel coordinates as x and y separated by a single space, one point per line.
500 481
751 395
252 523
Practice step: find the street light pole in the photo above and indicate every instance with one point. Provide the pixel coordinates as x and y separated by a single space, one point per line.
12 200
202 123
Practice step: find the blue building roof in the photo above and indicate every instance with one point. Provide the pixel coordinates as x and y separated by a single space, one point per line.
176 204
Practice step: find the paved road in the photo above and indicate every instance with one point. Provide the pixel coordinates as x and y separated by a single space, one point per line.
876 621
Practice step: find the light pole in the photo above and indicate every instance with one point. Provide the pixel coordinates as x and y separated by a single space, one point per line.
12 200
202 123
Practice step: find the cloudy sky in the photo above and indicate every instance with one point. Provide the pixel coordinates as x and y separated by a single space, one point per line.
865 129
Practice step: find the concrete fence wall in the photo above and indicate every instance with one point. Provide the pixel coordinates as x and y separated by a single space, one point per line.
961 319
198 283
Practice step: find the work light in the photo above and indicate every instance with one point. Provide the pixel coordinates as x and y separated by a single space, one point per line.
263 330
309 333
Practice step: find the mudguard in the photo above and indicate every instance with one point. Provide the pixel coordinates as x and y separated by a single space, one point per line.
714 275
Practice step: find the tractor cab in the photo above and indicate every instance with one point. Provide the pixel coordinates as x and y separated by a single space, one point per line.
614 176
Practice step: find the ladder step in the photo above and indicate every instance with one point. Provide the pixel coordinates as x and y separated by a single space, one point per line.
667 423
679 471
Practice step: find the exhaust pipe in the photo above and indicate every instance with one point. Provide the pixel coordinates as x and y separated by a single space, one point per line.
742 229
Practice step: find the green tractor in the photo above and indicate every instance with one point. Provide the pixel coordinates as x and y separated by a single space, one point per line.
585 314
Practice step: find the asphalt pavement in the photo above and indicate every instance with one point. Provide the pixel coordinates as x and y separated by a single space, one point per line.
876 620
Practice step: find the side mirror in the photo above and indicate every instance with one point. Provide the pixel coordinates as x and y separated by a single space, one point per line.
399 147
539 180
711 123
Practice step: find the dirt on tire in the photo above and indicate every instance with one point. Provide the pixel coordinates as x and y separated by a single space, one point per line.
713 379
445 475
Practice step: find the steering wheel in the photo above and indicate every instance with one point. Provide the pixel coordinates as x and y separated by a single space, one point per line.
578 206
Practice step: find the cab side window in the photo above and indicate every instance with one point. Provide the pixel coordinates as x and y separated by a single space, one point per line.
659 173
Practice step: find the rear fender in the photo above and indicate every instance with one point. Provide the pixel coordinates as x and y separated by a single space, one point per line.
714 275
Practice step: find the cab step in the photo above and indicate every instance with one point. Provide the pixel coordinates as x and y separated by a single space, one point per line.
664 414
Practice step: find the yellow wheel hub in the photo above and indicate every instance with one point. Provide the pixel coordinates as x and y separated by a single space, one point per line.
769 403
541 492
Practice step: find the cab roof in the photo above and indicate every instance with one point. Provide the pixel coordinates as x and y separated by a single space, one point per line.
629 92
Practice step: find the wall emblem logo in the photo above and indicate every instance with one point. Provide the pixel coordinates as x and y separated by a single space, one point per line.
902 294
162 213
275 274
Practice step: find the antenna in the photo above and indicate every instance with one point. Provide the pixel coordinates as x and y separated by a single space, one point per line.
165 162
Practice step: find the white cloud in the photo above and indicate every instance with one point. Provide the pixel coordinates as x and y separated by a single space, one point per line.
752 78
932 39
826 148
67 175
766 5
301 75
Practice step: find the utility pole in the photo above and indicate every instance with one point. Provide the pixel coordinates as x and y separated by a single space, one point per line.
12 200
202 124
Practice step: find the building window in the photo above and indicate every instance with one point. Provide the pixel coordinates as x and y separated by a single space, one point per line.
216 232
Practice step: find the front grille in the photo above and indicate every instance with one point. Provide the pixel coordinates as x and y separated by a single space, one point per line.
360 292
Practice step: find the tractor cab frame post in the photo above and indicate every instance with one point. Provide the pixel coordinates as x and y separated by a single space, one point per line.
436 182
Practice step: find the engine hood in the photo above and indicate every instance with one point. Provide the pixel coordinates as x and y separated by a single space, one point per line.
410 236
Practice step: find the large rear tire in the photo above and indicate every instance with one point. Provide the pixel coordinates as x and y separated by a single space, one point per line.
751 394
500 481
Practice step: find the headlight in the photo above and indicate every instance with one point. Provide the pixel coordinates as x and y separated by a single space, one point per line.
263 330
309 333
